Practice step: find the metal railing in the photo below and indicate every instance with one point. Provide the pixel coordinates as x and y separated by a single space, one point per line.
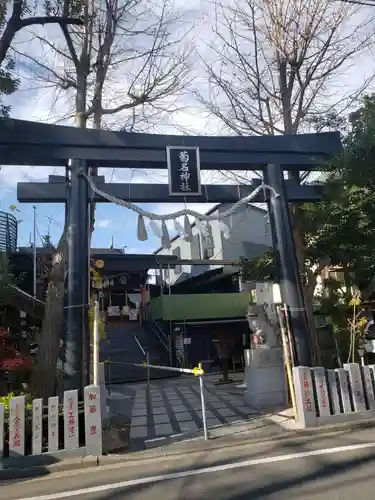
145 353
138 343
156 328
197 372
160 339
155 325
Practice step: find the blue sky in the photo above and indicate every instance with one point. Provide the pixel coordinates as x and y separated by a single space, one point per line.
111 221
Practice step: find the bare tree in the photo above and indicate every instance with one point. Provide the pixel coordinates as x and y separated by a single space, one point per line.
14 16
129 59
278 63
274 67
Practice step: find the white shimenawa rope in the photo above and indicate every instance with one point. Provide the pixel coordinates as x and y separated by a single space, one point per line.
185 211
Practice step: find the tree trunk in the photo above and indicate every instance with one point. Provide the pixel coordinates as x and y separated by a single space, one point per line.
54 318
43 380
308 287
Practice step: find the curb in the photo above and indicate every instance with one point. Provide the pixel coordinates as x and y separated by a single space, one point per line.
44 470
157 453
240 441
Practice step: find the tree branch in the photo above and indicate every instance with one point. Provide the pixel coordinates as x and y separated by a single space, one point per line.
273 63
69 42
16 23
42 20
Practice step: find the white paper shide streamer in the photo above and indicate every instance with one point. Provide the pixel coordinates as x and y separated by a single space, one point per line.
178 228
158 222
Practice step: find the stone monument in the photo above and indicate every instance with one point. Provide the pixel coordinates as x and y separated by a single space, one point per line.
264 374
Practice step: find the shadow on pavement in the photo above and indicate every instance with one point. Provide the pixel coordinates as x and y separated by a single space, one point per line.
238 484
25 467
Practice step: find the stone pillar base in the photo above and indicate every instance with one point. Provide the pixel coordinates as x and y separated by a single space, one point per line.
265 378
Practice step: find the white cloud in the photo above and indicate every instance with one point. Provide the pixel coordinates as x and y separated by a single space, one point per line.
135 176
132 250
11 175
103 223
168 208
34 102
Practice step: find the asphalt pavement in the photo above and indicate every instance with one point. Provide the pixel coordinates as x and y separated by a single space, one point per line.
339 466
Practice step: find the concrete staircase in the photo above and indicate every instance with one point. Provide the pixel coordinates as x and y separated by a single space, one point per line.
124 348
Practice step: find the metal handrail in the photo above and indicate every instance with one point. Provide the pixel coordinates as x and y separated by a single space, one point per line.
139 344
160 330
167 338
157 367
161 340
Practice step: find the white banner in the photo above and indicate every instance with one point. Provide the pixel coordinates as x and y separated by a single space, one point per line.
321 391
17 426
53 424
344 389
305 399
37 426
369 389
93 421
355 379
333 391
71 434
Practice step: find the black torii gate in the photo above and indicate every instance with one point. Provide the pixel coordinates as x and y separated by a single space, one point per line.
29 143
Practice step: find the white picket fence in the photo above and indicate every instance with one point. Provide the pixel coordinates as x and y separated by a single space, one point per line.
17 415
334 396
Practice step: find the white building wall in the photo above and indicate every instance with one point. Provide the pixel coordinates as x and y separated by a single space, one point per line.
185 249
218 240
249 232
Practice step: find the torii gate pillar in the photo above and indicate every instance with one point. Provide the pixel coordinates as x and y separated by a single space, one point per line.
291 287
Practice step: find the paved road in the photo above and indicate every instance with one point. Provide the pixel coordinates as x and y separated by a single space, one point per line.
335 467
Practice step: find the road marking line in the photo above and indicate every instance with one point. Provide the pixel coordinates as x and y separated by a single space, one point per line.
197 472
